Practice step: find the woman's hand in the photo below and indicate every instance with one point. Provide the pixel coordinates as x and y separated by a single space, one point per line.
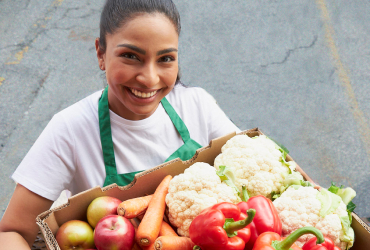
18 228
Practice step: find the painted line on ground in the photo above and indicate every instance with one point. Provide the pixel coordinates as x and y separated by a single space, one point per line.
343 74
40 23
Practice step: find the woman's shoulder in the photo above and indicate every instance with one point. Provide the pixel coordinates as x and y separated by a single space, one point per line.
191 100
85 109
182 93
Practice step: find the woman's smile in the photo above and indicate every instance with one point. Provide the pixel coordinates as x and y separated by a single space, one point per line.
142 97
142 94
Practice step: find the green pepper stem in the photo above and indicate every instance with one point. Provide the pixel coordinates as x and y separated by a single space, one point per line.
196 247
293 237
231 227
245 195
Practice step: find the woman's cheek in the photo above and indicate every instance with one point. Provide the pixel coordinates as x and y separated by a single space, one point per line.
170 75
118 76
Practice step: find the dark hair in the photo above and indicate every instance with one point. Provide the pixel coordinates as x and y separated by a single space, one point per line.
117 12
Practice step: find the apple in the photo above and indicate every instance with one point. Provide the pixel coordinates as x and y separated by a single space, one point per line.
101 207
114 232
75 234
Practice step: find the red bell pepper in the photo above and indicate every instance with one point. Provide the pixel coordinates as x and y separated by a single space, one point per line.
328 244
221 226
266 218
273 241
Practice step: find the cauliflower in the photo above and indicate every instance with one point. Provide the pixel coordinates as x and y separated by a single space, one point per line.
258 163
189 193
300 206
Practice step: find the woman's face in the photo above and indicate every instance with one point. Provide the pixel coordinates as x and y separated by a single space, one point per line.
141 65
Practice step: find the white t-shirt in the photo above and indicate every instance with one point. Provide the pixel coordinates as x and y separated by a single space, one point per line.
68 153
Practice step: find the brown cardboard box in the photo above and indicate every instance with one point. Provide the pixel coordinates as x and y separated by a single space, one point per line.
146 182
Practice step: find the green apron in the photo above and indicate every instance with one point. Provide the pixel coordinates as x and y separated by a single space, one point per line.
185 152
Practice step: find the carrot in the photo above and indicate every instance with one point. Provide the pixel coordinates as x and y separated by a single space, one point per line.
150 225
173 243
135 224
133 207
167 230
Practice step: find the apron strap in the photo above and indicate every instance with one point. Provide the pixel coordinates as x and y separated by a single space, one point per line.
106 134
176 120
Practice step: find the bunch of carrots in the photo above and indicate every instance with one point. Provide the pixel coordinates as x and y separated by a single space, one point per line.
147 216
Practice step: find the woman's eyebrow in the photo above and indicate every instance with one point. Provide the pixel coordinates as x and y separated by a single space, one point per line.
132 47
164 51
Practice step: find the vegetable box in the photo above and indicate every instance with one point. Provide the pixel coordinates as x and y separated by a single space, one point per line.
146 183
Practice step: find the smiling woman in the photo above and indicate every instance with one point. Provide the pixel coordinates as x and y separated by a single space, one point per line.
142 119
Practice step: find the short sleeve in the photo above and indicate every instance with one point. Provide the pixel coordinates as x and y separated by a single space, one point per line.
49 166
219 124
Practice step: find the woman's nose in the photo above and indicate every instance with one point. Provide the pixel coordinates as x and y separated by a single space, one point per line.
148 75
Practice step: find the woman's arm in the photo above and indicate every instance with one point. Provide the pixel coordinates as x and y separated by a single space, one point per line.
18 228
12 240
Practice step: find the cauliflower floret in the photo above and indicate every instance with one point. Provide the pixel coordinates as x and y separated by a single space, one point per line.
299 207
256 162
189 193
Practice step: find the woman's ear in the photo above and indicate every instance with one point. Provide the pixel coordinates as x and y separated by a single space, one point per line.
99 54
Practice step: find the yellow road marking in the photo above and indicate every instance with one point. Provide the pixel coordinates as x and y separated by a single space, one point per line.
357 113
19 56
57 2
1 80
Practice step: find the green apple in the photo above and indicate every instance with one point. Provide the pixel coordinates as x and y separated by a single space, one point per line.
76 235
101 207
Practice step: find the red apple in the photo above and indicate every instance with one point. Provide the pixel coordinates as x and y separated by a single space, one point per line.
101 207
114 232
75 234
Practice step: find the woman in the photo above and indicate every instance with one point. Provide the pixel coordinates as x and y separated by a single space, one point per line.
142 119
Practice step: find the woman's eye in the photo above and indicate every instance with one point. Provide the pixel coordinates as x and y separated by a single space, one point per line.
129 56
166 59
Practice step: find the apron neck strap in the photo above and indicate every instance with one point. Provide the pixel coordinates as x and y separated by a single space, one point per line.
106 134
176 120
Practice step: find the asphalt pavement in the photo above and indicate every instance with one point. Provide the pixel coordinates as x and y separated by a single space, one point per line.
297 69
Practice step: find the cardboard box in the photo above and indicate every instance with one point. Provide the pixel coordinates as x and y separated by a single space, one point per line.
146 183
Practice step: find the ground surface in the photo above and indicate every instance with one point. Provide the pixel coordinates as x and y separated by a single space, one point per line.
298 70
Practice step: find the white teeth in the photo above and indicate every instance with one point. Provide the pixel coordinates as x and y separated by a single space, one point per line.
143 94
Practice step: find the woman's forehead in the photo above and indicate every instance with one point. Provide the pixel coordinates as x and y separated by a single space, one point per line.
155 20
146 28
